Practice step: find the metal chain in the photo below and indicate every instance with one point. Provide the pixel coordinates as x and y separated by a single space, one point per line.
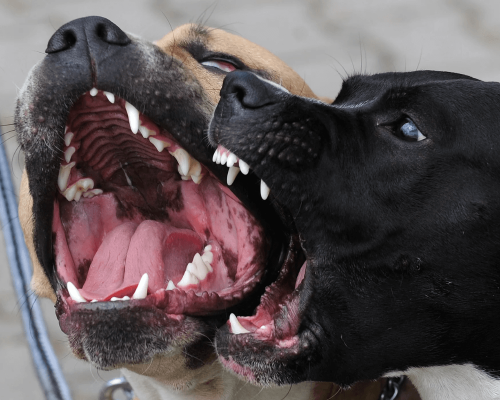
392 388
109 389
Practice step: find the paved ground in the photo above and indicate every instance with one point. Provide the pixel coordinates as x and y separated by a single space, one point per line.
322 39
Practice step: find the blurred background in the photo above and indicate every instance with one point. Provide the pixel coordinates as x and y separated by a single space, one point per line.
323 40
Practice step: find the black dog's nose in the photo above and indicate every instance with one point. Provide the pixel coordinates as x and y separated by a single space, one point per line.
95 31
250 90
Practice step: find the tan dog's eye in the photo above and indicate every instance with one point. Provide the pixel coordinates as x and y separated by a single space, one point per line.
222 65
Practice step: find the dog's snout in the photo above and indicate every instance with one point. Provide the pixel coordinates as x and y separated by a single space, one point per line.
250 90
94 31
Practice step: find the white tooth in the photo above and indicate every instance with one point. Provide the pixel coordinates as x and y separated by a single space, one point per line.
184 160
208 248
69 153
110 96
194 168
208 257
214 158
223 158
198 267
196 178
94 301
146 132
74 293
171 285
219 156
133 117
70 192
115 298
231 175
142 288
231 160
68 137
125 298
64 173
91 193
243 167
188 279
264 190
159 144
236 327
93 92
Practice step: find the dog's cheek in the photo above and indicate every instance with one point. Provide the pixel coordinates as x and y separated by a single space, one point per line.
39 283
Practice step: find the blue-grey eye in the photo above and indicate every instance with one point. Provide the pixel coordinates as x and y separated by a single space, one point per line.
410 132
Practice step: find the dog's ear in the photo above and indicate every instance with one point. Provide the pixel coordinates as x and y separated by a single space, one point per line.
39 283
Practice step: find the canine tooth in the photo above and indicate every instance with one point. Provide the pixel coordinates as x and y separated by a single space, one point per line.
145 132
68 137
223 158
243 167
93 92
171 285
184 160
232 174
231 160
264 190
236 327
64 173
110 96
91 193
188 279
74 293
69 153
142 288
133 117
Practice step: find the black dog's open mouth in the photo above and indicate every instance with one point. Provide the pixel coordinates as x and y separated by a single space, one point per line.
137 219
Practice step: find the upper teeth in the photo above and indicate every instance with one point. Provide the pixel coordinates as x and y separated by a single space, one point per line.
133 117
142 288
231 159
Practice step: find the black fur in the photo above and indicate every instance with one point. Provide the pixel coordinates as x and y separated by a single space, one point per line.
402 238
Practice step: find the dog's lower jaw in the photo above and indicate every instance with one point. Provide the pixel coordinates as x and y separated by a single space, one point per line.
210 382
453 382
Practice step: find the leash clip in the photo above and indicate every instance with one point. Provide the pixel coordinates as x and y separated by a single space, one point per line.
392 388
107 392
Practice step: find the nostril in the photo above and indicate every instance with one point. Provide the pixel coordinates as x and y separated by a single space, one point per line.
61 40
102 32
110 33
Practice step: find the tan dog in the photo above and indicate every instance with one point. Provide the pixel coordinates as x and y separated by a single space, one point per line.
144 251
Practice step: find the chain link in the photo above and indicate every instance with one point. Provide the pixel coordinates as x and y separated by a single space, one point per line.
392 388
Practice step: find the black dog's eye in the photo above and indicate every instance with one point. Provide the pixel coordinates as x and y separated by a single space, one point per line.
408 131
222 65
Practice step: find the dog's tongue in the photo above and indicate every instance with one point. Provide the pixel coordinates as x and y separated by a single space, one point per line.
131 250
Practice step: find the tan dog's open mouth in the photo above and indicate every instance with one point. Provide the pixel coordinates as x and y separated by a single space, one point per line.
132 225
137 217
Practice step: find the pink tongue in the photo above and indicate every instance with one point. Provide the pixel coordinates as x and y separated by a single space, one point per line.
129 251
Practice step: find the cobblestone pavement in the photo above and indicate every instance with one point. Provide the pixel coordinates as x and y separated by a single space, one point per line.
323 40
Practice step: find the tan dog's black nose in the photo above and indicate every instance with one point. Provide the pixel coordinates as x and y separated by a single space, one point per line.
95 32
250 90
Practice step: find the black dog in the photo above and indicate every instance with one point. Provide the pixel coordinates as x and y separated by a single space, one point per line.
394 192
